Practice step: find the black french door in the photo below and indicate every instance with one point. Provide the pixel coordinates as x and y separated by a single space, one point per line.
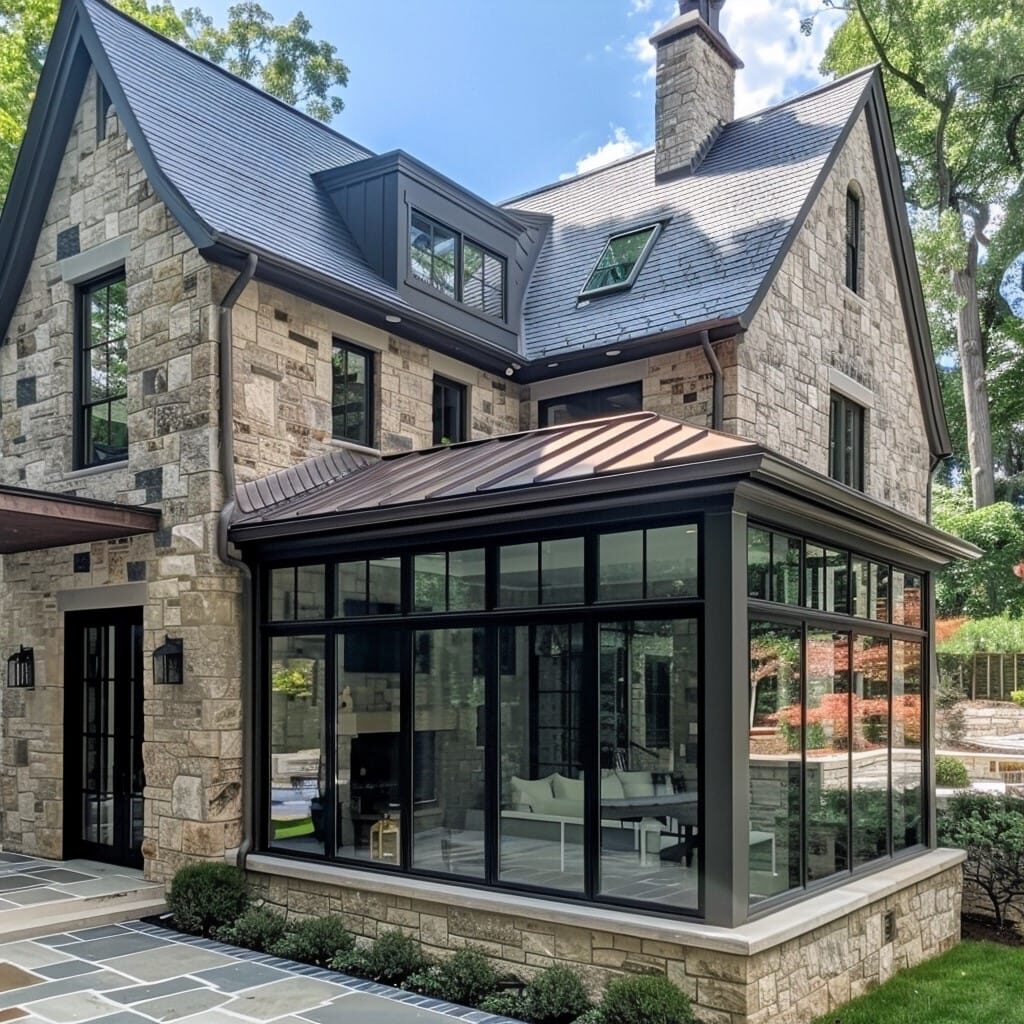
103 770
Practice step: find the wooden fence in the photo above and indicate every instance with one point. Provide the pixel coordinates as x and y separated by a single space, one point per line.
983 676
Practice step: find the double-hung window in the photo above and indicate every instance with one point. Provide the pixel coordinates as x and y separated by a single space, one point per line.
846 442
449 411
352 393
102 393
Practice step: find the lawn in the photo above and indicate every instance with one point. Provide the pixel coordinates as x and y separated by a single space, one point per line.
974 983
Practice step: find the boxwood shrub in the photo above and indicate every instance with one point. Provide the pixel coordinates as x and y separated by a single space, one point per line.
390 959
207 896
466 977
257 928
647 999
317 940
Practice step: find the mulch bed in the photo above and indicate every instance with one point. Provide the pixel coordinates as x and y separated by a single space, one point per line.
984 929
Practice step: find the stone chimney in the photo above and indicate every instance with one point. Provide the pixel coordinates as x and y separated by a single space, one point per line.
695 86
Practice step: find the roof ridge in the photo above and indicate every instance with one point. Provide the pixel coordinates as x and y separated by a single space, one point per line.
573 178
321 125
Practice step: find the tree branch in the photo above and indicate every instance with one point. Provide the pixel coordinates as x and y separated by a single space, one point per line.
913 83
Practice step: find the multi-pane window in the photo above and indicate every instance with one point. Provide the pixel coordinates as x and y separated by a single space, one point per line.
588 405
352 393
621 260
449 411
854 232
103 385
461 269
846 442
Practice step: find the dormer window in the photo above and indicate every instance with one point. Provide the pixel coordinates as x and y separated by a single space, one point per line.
621 261
459 268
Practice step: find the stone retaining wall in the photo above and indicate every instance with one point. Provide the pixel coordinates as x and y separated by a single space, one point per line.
789 983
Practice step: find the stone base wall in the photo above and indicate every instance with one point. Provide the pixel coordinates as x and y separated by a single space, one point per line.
788 983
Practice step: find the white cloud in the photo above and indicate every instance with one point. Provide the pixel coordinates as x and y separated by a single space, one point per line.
639 6
619 146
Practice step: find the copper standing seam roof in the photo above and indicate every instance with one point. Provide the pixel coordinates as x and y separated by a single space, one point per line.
342 482
32 520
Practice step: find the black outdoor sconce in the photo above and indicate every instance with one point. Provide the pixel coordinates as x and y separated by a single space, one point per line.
169 662
21 669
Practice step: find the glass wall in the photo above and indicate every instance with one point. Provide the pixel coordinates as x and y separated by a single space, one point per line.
836 711
524 714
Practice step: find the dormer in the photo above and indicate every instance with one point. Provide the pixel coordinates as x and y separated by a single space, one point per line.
450 254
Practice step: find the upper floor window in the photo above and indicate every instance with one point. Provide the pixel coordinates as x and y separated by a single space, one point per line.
846 442
587 405
352 393
854 239
459 268
103 382
621 261
449 411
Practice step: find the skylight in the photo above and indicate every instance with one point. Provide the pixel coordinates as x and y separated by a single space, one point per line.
621 261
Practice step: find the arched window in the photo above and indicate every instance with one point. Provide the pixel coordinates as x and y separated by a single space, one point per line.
854 240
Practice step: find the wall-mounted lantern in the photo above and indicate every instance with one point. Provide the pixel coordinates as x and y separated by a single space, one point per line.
21 669
169 662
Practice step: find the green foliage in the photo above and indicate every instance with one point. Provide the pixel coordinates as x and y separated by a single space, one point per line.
951 773
390 959
257 928
991 829
467 977
207 896
998 635
317 941
648 999
293 682
555 996
594 1016
1017 696
988 586
505 1004
282 59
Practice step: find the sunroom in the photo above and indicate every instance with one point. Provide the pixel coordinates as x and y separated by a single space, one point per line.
628 663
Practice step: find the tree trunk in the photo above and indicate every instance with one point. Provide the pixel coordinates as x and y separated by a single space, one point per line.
972 367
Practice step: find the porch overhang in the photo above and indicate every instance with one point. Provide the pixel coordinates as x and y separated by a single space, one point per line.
34 520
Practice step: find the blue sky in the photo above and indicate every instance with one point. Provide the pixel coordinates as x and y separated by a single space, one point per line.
507 95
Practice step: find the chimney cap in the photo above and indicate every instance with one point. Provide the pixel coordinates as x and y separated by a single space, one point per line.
691 19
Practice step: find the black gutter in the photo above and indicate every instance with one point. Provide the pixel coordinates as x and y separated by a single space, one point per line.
226 374
718 387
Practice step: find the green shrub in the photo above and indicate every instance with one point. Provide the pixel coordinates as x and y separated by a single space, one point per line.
594 1016
317 941
555 996
257 928
390 959
991 829
1017 696
649 999
505 1004
466 977
206 896
951 773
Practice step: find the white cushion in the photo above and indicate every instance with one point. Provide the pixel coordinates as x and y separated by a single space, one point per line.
568 809
567 789
636 783
611 786
530 791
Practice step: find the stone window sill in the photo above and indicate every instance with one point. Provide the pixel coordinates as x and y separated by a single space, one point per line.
105 467
340 442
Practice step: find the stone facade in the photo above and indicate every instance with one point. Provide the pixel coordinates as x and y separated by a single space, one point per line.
811 322
745 981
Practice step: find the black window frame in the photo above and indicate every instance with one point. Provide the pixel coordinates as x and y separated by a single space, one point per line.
369 400
854 240
847 433
592 398
458 295
83 294
446 386
586 292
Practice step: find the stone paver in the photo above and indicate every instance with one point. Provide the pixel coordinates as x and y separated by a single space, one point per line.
138 972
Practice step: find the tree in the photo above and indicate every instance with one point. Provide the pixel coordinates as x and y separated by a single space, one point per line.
953 77
282 59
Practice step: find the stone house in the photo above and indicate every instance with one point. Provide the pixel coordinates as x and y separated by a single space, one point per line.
352 527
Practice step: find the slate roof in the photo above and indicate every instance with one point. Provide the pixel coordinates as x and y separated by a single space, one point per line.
616 445
727 225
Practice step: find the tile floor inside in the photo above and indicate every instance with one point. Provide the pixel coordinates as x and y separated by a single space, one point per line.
139 972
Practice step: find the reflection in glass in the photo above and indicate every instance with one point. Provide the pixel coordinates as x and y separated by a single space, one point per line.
672 561
449 581
907 766
541 784
759 563
785 569
369 696
870 748
649 720
826 579
775 716
519 568
298 810
621 559
448 822
906 598
371 587
297 592
827 743
561 571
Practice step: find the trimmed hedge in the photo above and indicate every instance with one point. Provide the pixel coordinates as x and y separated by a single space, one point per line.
207 896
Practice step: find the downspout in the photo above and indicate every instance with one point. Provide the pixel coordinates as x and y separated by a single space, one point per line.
718 384
226 376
